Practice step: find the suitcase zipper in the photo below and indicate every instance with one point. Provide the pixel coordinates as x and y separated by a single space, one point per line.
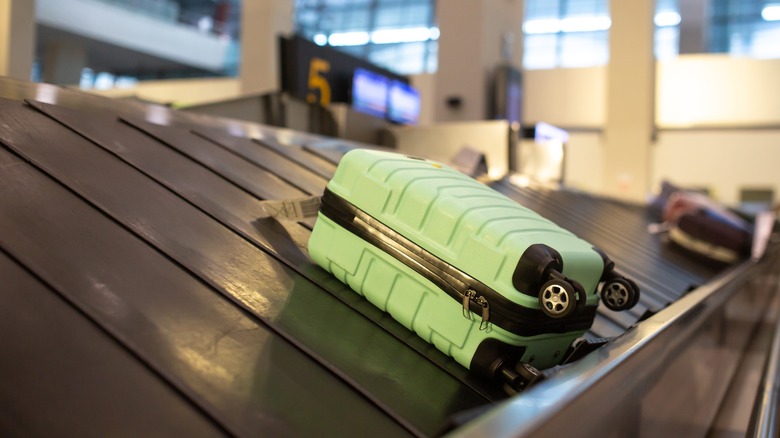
469 291
483 325
471 295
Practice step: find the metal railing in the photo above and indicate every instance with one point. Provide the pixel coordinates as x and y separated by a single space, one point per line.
666 376
763 423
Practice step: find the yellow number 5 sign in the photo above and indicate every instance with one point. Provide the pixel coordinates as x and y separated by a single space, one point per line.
317 68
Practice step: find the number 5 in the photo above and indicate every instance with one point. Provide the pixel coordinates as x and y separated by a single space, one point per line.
318 67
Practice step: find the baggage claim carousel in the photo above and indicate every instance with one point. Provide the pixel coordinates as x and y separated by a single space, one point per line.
142 294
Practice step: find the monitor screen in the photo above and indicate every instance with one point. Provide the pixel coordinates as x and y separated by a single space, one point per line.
404 105
507 94
369 92
546 132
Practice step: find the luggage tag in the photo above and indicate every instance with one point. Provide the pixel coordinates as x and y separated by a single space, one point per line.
291 209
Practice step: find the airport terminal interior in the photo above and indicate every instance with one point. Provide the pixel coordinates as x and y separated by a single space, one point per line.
468 218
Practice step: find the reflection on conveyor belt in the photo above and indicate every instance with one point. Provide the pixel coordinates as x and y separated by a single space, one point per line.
207 191
267 158
257 181
138 225
294 307
66 357
164 315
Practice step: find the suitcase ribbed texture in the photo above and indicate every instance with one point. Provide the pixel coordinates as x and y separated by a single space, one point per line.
462 222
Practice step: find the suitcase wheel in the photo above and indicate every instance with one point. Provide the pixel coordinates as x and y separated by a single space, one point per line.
520 377
619 294
557 298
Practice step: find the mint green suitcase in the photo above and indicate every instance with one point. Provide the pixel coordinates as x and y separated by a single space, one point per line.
484 279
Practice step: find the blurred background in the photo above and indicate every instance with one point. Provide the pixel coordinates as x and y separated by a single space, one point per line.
684 90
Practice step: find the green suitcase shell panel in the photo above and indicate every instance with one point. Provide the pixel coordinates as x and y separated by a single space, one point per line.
460 220
417 303
463 223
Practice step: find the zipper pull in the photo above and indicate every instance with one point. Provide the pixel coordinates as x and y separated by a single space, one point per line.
469 295
483 325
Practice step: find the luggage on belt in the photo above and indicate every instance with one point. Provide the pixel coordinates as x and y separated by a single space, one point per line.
489 282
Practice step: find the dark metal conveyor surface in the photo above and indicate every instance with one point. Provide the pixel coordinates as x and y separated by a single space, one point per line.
142 294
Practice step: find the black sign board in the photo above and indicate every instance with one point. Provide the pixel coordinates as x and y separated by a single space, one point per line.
321 74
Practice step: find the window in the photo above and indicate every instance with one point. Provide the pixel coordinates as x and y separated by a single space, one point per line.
738 27
667 29
745 28
400 35
565 33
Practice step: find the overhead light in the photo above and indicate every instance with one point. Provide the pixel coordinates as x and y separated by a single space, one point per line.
320 39
349 39
667 18
771 12
381 36
205 23
535 27
404 35
588 23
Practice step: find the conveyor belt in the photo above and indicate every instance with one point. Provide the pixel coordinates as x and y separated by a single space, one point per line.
238 268
144 241
225 203
64 368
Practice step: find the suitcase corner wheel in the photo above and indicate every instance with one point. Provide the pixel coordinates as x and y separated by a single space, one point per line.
561 296
617 292
519 377
498 362
538 272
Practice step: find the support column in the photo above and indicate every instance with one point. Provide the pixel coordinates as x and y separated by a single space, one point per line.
17 38
63 62
472 38
630 117
261 24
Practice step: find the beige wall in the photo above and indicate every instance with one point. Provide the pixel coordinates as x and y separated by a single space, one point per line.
724 161
470 47
571 97
584 163
710 92
718 90
425 84
691 91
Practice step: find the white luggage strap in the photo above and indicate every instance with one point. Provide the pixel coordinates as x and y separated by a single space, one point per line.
292 209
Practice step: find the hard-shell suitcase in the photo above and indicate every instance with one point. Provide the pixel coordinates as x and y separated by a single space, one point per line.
486 280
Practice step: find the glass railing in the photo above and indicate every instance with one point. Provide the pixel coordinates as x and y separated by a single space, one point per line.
171 12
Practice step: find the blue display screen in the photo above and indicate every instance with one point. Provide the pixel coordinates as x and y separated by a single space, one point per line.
404 104
369 92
